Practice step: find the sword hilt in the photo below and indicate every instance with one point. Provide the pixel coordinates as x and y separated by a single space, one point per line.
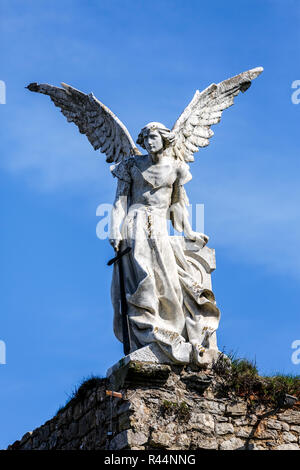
119 256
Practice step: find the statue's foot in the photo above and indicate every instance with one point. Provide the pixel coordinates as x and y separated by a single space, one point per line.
199 332
173 345
202 356
178 350
181 351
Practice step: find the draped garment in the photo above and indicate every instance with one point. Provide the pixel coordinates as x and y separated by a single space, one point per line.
167 303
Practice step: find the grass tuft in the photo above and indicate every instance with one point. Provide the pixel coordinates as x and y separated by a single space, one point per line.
80 391
241 377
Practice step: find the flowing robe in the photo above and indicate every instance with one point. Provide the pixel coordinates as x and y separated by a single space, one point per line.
165 304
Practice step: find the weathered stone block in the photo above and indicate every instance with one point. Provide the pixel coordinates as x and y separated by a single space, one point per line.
273 424
205 443
290 417
236 409
244 431
203 422
224 428
160 439
289 437
287 447
232 444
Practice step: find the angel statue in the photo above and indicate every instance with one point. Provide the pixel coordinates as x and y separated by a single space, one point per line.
171 310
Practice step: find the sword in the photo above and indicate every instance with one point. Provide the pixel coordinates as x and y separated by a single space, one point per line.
124 309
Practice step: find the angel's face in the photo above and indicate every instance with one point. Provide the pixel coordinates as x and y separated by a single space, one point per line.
153 142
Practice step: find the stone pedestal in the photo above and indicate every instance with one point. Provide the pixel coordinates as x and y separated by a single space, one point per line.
161 406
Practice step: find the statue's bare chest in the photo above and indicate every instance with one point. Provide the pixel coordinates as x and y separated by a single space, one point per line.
153 176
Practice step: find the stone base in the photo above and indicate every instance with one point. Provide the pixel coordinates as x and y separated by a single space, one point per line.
153 354
163 406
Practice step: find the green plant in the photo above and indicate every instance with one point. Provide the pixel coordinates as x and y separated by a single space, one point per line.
180 410
241 377
85 386
79 392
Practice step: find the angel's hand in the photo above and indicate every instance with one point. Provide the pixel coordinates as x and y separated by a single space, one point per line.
115 241
198 237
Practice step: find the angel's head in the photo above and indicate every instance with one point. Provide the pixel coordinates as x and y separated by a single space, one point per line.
155 137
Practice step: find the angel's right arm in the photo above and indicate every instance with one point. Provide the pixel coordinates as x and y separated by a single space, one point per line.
118 212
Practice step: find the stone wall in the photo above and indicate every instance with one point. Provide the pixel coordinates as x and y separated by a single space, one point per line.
164 407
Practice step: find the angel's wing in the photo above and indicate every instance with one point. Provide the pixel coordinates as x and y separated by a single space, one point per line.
192 129
102 128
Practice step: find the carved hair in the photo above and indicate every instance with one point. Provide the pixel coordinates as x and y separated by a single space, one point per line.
167 135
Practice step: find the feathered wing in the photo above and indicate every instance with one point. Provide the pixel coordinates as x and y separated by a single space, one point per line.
193 128
102 128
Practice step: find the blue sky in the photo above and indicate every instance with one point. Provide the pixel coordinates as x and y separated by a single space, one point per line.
144 60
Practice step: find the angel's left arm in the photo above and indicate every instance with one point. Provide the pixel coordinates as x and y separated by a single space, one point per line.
179 214
178 210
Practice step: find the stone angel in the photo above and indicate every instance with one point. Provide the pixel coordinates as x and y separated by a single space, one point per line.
172 312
